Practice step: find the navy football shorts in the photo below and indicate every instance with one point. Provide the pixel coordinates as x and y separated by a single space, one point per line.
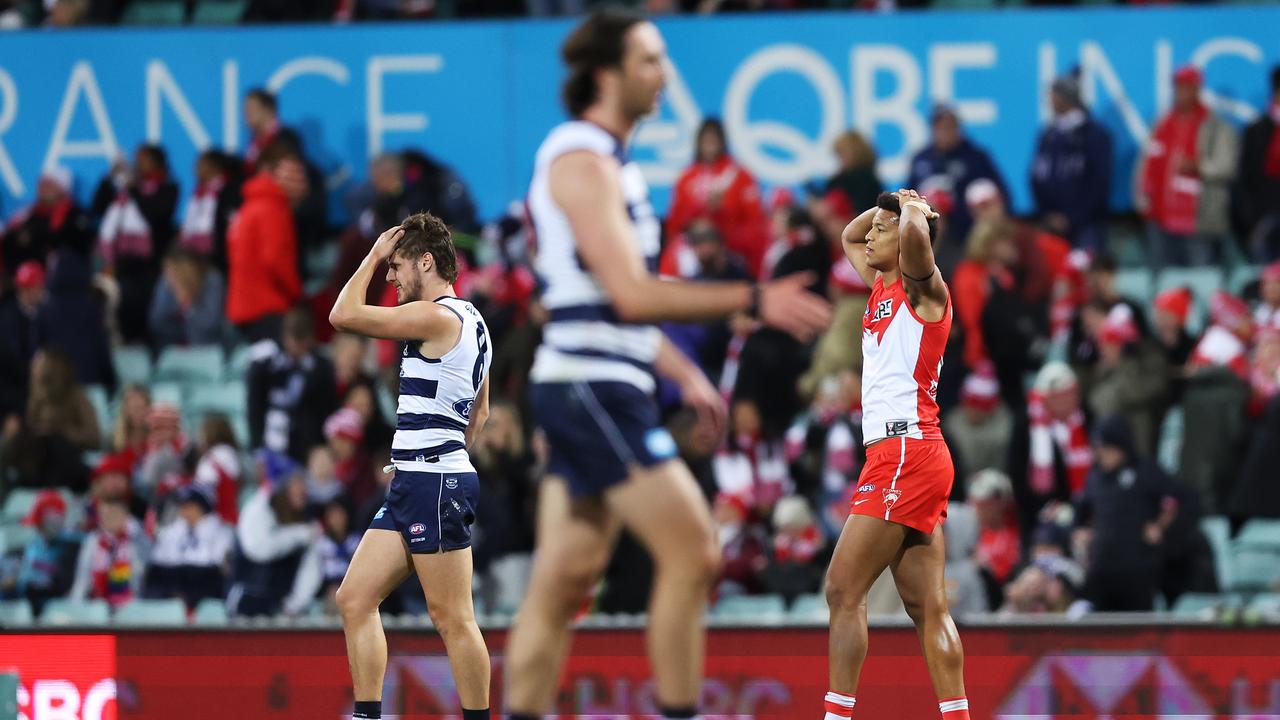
432 511
598 431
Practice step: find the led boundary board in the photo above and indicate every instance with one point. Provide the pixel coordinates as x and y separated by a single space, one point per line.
62 677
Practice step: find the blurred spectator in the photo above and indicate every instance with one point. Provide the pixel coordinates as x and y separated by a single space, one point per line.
113 558
48 561
718 188
1049 459
506 469
985 272
999 542
1170 311
370 507
51 223
794 564
190 558
1048 585
743 545
1071 171
336 548
437 188
17 327
113 478
824 448
344 432
1256 492
966 592
848 292
1127 506
322 477
291 391
218 469
358 389
856 176
1184 179
136 204
1130 379
542 8
161 467
751 466
71 321
1102 295
1267 314
981 428
130 433
210 207
380 205
942 171
275 541
44 448
262 252
1257 193
1264 376
188 303
261 116
706 342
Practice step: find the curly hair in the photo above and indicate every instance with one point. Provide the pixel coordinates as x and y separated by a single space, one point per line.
426 233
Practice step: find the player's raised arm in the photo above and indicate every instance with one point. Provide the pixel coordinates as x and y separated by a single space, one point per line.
854 240
419 320
915 246
585 186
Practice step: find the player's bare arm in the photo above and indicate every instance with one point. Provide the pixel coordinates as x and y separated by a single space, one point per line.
418 320
854 240
696 391
585 186
479 414
925 288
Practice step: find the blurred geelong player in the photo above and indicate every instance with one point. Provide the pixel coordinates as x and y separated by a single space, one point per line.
444 400
612 465
902 494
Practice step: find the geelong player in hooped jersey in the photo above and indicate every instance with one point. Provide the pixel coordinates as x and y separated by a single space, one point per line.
611 463
425 524
901 499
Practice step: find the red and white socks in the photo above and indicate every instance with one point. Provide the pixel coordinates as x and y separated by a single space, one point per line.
954 708
839 706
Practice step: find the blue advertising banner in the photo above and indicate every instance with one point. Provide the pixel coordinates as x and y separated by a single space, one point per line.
482 95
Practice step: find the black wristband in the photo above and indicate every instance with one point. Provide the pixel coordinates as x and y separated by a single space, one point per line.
923 279
754 308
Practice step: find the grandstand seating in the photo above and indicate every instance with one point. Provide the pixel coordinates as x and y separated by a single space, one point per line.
757 608
211 613
218 12
133 364
152 613
63 612
16 613
154 12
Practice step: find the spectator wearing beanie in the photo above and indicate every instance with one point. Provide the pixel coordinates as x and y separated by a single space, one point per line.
17 327
47 564
1171 308
1049 458
1257 194
191 553
137 207
1071 170
262 252
1184 179
999 548
113 559
113 478
981 427
52 223
1130 378
1267 314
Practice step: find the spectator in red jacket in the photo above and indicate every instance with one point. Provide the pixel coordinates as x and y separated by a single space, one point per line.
718 188
262 266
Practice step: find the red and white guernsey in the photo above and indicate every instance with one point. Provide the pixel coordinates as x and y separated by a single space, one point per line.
901 360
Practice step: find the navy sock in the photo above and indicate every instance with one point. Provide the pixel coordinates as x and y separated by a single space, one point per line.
678 713
523 716
475 714
371 709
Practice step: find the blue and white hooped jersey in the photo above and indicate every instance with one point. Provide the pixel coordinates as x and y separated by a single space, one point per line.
436 396
583 339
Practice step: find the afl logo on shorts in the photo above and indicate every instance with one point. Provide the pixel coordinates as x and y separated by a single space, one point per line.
891 498
463 408
417 529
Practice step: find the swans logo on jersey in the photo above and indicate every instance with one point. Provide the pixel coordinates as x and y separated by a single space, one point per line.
463 407
417 529
891 498
883 310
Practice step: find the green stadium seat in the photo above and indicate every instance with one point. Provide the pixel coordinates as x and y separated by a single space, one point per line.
133 364
1260 534
218 12
101 403
63 612
1254 570
211 613
238 360
1217 530
1242 276
16 613
1205 605
169 393
753 608
1169 449
15 537
190 365
226 398
1136 284
152 613
154 12
1265 606
810 609
17 505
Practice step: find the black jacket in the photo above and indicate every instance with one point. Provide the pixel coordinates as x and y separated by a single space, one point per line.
71 320
298 395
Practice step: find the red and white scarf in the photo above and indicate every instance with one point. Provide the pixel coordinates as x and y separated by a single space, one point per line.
1219 347
1069 436
219 473
112 566
124 231
198 223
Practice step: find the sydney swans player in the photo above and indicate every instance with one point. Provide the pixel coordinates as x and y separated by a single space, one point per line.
901 500
425 524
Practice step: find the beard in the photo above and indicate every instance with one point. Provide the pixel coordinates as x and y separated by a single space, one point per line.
409 291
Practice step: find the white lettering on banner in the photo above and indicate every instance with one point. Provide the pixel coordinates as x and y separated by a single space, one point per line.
809 158
945 59
671 140
55 700
95 701
1163 79
308 65
82 80
9 113
230 106
1095 67
898 109
1046 73
1218 47
160 83
377 122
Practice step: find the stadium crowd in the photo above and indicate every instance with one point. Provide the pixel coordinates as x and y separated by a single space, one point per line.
1094 422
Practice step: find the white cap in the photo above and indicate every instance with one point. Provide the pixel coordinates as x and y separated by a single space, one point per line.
58 175
792 512
980 191
989 483
1055 377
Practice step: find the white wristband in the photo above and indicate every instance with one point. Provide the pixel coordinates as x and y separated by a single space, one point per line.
919 205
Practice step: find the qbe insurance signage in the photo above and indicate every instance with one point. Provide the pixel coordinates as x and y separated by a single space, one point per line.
62 677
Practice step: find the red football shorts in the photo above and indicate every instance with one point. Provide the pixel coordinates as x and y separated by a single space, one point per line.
906 481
